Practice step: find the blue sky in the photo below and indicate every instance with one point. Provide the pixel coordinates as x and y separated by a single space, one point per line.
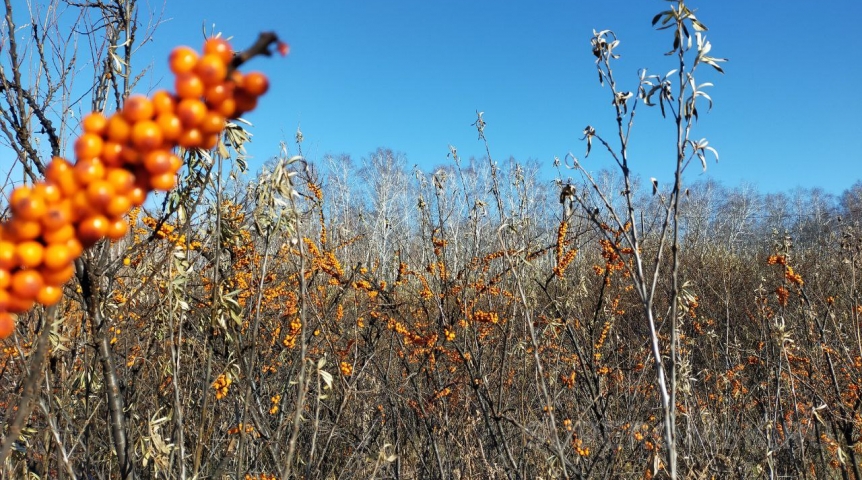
409 76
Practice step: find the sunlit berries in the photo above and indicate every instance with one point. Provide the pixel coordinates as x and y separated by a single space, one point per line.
119 159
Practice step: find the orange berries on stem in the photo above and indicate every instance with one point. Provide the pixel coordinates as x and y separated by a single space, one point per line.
120 158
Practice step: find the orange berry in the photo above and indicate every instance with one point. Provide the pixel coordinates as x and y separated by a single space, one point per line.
209 141
59 235
19 305
176 163
138 108
4 297
219 46
137 195
227 108
7 323
112 154
245 102
26 204
48 191
117 229
191 112
57 256
163 102
211 69
75 247
255 83
88 171
157 162
94 123
49 295
57 215
213 122
170 125
61 173
30 253
58 277
92 229
8 258
5 280
20 230
26 284
215 94
164 181
189 86
146 135
99 194
118 129
182 60
118 206
88 145
122 179
191 138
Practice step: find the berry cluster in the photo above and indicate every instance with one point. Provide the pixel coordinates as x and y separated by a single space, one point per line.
119 160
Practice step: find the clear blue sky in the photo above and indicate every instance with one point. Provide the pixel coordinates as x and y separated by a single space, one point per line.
409 75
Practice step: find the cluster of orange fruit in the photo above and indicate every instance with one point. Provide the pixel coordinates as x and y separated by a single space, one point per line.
119 160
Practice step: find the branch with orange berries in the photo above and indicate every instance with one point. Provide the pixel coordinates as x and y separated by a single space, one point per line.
119 160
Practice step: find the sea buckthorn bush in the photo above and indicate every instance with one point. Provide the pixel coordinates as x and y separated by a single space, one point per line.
331 318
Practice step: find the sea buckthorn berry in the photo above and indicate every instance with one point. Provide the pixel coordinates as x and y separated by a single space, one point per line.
189 86
94 123
117 229
57 215
88 145
245 102
26 284
8 258
48 191
92 229
226 108
30 254
163 102
138 108
5 280
176 163
157 162
170 125
211 69
4 299
182 60
164 181
219 46
118 206
88 171
209 141
18 304
215 94
146 135
191 112
112 154
213 122
20 230
75 247
99 194
49 295
61 173
122 179
27 204
59 235
191 138
57 256
118 130
255 83
7 323
58 277
137 195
